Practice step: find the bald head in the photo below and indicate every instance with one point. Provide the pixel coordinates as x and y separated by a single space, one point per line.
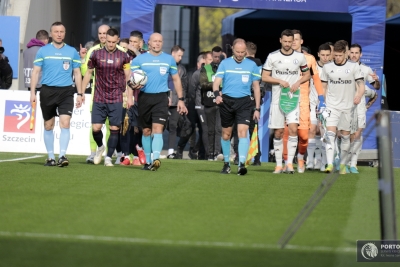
102 32
155 43
239 49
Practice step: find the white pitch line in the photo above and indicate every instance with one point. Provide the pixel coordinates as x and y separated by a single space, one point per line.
172 242
32 157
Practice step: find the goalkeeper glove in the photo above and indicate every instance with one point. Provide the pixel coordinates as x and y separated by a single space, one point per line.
321 105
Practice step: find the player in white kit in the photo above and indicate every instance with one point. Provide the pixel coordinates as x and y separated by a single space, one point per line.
282 69
315 145
340 79
359 118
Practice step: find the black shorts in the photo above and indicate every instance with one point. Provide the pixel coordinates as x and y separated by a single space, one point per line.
152 108
55 101
100 112
235 110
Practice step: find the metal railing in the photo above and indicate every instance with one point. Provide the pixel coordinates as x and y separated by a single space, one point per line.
3 7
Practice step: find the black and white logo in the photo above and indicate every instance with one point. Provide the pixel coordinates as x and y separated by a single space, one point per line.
369 251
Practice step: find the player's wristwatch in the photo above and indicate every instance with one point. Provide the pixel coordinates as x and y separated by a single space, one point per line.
257 109
80 94
181 98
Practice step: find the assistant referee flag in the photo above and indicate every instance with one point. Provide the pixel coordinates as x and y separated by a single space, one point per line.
253 149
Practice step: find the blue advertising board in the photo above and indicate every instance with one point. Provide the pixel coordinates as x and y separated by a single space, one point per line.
9 33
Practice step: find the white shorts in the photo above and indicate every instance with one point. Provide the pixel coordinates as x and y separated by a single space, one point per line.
278 119
313 113
342 119
359 116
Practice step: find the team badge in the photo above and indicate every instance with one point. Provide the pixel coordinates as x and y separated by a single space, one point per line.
66 65
347 71
245 78
163 70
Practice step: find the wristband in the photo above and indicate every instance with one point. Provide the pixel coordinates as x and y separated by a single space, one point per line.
216 93
79 94
257 109
181 98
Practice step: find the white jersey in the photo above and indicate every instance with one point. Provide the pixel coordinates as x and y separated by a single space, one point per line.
286 68
341 81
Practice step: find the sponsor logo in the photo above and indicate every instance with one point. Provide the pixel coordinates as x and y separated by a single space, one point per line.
66 65
161 119
340 81
347 71
210 94
287 72
16 116
295 61
110 61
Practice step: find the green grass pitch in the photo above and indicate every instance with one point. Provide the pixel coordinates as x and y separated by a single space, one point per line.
185 214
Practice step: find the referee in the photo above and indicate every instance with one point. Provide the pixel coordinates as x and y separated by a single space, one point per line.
58 62
153 98
112 73
238 75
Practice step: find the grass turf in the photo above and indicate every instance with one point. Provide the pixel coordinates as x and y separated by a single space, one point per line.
185 214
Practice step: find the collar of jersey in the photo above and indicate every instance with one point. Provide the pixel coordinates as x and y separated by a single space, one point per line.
340 64
104 47
56 47
280 50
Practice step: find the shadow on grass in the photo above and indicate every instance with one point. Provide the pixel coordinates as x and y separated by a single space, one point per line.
32 252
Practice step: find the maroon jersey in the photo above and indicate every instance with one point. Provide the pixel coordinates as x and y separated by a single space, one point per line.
110 76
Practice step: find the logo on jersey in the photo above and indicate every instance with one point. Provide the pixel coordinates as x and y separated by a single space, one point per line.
347 71
163 70
295 61
245 78
287 72
66 65
340 81
16 116
332 71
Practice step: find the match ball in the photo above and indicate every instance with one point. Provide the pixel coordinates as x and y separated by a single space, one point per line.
139 77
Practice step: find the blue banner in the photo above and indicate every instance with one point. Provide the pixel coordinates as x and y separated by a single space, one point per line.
296 5
9 33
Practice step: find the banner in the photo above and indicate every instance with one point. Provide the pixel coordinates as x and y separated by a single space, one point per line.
15 115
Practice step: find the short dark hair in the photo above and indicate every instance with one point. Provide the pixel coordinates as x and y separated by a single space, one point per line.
345 43
251 47
339 46
137 34
294 31
42 35
124 40
329 43
325 46
356 45
287 33
57 23
176 48
306 49
112 32
216 49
